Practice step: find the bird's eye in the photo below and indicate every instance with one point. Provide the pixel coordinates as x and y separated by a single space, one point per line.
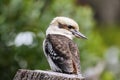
70 27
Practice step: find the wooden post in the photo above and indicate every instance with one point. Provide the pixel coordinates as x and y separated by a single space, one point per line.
23 74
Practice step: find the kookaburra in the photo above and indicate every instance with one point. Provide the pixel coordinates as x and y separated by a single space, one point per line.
61 52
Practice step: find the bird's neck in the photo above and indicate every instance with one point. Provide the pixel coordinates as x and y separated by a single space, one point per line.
58 37
68 36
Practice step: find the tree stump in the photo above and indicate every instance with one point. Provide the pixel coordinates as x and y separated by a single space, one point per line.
23 74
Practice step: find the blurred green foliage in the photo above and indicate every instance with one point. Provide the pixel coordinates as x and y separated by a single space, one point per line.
34 16
108 76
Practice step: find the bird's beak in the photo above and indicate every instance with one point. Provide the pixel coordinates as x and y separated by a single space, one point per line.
78 34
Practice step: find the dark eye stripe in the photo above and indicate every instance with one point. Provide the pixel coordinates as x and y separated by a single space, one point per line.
65 26
60 25
70 27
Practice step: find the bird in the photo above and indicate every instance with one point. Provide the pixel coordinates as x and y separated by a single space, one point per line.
59 48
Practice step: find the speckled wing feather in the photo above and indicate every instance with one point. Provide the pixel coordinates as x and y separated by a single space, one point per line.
63 53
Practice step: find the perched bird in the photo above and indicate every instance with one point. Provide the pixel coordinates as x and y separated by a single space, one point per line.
61 52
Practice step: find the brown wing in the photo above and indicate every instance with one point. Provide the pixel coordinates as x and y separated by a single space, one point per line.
63 56
75 56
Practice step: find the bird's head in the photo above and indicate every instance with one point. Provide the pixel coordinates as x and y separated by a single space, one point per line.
64 26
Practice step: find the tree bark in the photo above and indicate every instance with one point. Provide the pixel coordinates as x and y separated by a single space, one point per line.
23 74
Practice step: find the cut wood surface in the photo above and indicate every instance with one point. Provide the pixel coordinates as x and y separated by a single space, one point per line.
23 74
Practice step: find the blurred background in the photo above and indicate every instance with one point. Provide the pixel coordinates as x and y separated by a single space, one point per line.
22 30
